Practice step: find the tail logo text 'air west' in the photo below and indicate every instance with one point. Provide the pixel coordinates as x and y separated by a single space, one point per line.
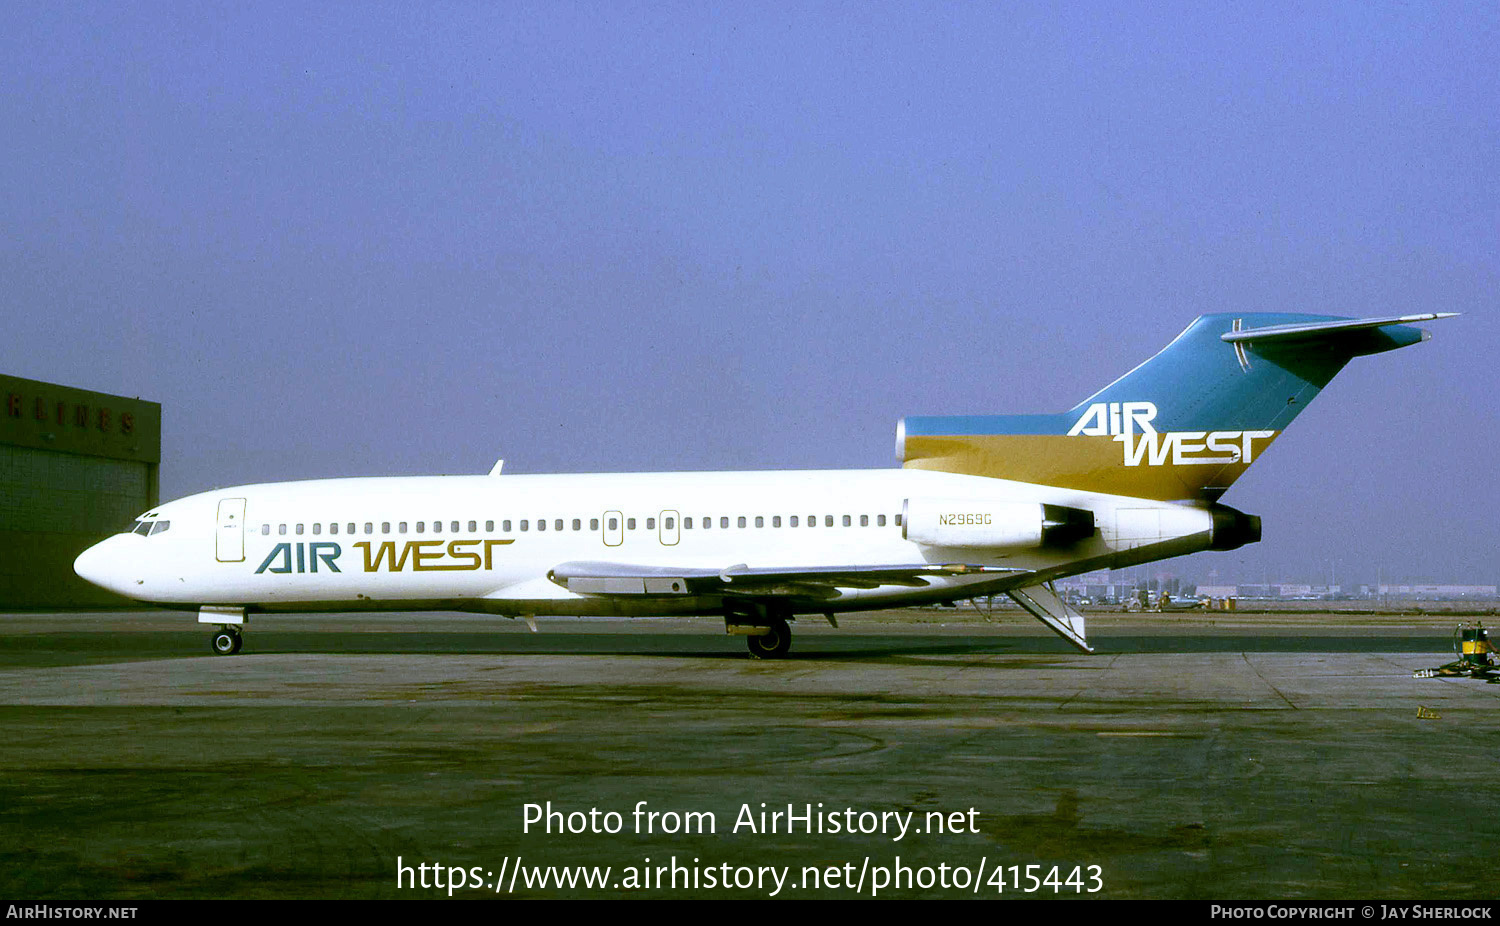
1130 424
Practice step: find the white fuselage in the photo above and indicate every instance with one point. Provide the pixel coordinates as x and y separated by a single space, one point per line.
489 543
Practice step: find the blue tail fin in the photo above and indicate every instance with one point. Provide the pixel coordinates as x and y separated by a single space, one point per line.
1183 425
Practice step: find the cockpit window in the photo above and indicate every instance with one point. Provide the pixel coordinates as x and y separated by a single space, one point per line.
140 527
160 527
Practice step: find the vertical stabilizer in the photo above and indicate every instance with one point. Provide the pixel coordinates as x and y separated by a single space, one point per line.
1183 425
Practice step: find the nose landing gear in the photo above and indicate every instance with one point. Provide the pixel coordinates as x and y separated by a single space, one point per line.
226 640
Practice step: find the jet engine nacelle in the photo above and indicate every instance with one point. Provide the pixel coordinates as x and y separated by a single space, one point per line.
966 523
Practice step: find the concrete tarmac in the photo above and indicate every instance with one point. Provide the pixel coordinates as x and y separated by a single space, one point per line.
1193 756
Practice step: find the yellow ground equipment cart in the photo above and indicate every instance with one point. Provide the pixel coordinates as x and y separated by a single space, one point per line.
1475 656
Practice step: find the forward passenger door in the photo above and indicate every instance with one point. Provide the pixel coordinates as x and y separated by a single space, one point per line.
230 538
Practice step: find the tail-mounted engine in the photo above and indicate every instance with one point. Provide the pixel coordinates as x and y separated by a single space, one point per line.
966 523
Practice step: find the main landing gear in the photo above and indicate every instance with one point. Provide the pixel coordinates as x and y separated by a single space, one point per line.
774 643
765 632
226 642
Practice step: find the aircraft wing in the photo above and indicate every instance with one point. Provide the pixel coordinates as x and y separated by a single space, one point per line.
625 579
605 578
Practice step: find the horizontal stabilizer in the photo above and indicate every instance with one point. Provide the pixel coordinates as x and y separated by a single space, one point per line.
1309 329
1048 607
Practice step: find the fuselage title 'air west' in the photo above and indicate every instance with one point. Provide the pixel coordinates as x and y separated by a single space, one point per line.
422 555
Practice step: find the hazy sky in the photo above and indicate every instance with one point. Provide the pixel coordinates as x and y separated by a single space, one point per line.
378 239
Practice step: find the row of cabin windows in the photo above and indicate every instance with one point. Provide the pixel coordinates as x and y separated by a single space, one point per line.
776 521
385 527
559 524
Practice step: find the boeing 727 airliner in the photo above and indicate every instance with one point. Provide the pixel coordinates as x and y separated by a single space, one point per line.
983 505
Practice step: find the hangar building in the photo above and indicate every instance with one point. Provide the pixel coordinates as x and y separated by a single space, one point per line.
75 467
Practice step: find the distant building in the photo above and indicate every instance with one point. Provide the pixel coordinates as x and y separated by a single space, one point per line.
1436 592
75 467
1289 591
1096 587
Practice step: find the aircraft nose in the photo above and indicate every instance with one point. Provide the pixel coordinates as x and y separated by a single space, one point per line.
99 565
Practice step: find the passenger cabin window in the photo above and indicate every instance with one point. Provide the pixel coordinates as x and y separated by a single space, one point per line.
525 525
760 521
614 524
898 520
265 529
864 520
421 527
453 527
558 524
541 524
741 521
577 524
687 524
669 523
369 527
880 520
333 528
650 524
318 527
827 520
281 529
630 524
401 528
724 523
792 522
437 527
473 526
489 527
299 530
776 521
593 524
846 520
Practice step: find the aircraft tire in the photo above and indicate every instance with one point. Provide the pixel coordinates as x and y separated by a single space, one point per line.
773 645
225 643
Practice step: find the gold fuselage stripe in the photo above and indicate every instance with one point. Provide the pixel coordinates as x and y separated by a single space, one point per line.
1090 463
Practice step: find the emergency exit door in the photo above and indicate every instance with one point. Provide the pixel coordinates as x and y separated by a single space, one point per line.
669 528
614 529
